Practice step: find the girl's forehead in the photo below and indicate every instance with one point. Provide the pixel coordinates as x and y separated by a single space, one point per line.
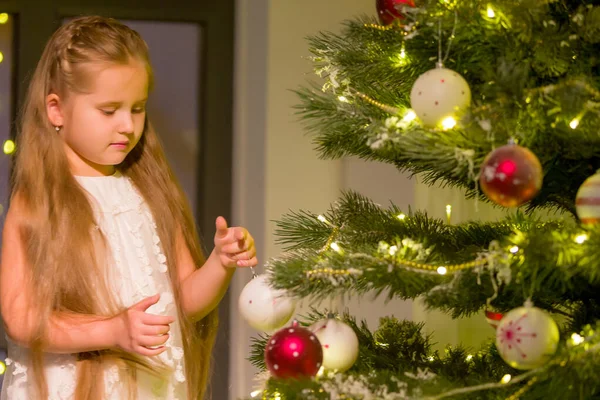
119 81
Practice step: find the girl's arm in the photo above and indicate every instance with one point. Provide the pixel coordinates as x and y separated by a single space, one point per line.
67 332
202 289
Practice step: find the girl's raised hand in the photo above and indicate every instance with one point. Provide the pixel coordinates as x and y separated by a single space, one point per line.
234 246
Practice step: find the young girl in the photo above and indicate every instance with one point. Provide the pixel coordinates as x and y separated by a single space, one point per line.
101 290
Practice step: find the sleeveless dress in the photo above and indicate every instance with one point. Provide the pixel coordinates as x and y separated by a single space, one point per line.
139 270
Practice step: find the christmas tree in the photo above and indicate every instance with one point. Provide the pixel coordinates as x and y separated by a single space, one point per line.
502 100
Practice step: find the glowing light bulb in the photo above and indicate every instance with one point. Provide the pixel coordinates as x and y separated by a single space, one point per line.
409 116
581 238
3 18
490 12
514 249
577 339
401 216
574 123
506 378
255 393
469 357
442 270
336 247
448 123
321 218
343 99
9 147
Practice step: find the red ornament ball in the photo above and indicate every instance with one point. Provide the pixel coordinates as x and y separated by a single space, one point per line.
389 10
511 175
293 352
493 318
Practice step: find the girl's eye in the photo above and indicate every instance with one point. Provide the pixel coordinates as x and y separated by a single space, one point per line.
108 112
138 110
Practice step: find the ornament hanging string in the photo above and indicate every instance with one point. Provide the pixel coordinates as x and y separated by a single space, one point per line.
441 60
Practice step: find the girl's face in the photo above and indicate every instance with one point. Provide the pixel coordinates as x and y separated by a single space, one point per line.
101 126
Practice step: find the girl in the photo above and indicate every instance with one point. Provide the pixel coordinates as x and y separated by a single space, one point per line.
101 292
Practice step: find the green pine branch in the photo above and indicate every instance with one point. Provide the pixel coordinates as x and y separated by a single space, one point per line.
555 263
532 70
396 362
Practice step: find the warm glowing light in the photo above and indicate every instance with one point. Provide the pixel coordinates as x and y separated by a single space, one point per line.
490 12
409 116
574 123
3 18
577 339
9 147
506 378
448 123
442 270
581 238
514 249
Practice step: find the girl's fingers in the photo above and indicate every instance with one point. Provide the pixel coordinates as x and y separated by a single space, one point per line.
246 255
232 248
148 341
154 330
153 319
253 262
150 352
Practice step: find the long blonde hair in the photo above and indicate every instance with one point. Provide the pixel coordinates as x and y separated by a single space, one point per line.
62 245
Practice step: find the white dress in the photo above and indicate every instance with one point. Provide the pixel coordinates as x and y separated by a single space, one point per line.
139 271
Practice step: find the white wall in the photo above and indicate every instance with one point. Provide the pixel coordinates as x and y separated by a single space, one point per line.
277 170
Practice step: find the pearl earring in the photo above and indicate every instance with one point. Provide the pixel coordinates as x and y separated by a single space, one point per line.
57 128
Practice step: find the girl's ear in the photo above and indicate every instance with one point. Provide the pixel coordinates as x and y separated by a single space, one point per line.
54 109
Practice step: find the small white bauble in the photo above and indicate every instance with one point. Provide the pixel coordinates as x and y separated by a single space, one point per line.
527 337
339 342
264 308
438 94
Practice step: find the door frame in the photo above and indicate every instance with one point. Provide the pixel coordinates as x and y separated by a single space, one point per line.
36 20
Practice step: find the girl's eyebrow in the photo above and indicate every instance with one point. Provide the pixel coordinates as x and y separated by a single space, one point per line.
119 103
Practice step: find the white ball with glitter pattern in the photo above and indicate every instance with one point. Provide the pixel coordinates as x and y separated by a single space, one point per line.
439 93
264 308
527 337
339 342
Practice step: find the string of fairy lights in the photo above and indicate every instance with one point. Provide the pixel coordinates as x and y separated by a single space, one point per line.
494 16
8 147
584 342
332 244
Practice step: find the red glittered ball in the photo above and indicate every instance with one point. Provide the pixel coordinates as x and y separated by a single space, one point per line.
511 175
293 352
493 318
389 10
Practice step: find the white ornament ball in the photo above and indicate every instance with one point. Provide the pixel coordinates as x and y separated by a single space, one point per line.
527 337
587 201
339 342
264 308
438 94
